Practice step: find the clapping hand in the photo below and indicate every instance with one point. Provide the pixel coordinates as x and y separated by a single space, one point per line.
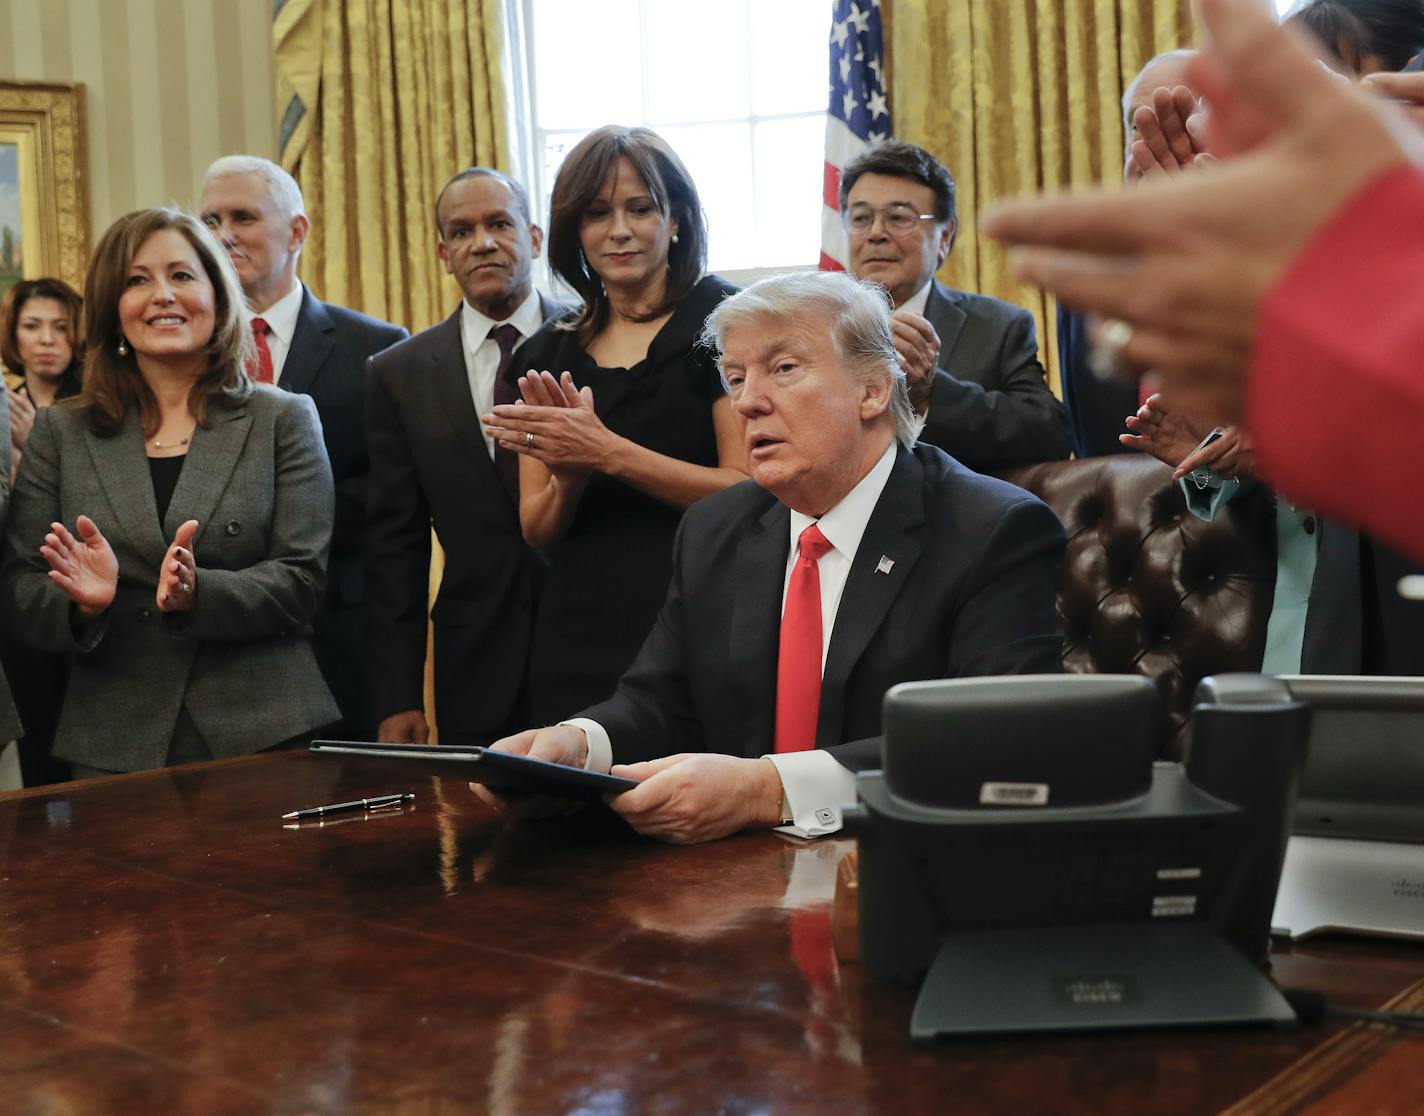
556 424
178 576
1171 135
22 418
84 567
917 346
1175 439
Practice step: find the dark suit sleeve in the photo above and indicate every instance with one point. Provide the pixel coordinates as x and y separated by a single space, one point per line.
349 532
1017 422
281 593
397 557
1097 409
1007 622
651 713
1006 619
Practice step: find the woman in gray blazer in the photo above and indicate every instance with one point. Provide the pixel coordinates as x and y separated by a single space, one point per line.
169 527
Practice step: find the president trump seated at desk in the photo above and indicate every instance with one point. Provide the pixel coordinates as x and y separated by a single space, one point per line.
853 560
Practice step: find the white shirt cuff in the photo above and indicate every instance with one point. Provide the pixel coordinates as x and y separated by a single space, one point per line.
817 788
600 750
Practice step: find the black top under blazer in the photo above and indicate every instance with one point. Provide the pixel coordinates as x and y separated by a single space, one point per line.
240 663
970 592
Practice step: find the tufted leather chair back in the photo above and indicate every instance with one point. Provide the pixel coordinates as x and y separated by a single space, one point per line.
1148 588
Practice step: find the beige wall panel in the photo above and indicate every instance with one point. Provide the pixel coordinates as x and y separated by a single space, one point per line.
169 86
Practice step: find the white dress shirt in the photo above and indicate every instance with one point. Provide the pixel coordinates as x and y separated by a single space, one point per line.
816 784
482 350
915 304
281 318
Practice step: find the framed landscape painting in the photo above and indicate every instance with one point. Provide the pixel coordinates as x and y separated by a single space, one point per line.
44 210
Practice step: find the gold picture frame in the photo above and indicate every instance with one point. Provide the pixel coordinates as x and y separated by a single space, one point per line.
44 203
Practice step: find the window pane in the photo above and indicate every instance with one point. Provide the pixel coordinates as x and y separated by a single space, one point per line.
697 61
587 63
790 156
719 158
790 56
556 146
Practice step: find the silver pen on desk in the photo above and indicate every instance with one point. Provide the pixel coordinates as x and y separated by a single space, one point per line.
355 804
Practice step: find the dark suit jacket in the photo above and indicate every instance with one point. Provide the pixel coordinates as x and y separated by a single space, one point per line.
1097 409
327 361
241 661
1356 622
9 721
990 406
432 467
971 592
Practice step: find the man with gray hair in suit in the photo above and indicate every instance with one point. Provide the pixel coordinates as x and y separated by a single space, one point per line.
972 361
318 349
853 559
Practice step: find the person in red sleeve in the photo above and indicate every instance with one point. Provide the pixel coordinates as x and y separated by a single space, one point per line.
1285 289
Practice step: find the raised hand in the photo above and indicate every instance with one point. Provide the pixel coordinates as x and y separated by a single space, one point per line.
1186 262
178 576
84 566
541 389
561 429
917 346
1166 434
1167 145
22 418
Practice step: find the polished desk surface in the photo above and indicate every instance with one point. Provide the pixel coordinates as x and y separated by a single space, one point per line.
168 946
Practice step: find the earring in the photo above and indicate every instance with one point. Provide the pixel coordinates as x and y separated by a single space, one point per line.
123 347
674 238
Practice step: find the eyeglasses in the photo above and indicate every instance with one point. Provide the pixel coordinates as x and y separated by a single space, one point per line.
897 220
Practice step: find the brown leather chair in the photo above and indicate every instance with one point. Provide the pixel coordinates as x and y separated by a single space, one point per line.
1147 588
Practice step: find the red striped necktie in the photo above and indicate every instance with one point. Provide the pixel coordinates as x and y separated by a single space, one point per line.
261 371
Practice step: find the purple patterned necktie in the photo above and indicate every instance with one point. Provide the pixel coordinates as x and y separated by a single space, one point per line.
506 462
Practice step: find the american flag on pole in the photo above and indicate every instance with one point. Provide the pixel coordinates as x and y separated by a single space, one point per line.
857 115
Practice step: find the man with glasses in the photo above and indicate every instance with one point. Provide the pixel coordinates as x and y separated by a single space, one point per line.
972 361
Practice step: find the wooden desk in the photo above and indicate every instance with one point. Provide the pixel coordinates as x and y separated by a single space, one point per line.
167 946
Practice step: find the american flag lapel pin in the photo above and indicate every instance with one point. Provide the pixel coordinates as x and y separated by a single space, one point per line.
885 565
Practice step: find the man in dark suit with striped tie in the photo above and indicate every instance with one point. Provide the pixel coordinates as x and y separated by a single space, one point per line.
434 466
318 349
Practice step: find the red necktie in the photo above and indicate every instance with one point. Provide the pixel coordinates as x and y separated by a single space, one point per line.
798 666
506 462
262 373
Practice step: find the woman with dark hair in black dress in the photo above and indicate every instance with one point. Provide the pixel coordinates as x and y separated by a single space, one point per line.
625 419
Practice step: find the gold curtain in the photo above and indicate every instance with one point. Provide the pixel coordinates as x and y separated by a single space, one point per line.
381 101
1016 96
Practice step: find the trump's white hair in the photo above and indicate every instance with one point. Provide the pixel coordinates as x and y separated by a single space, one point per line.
858 315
